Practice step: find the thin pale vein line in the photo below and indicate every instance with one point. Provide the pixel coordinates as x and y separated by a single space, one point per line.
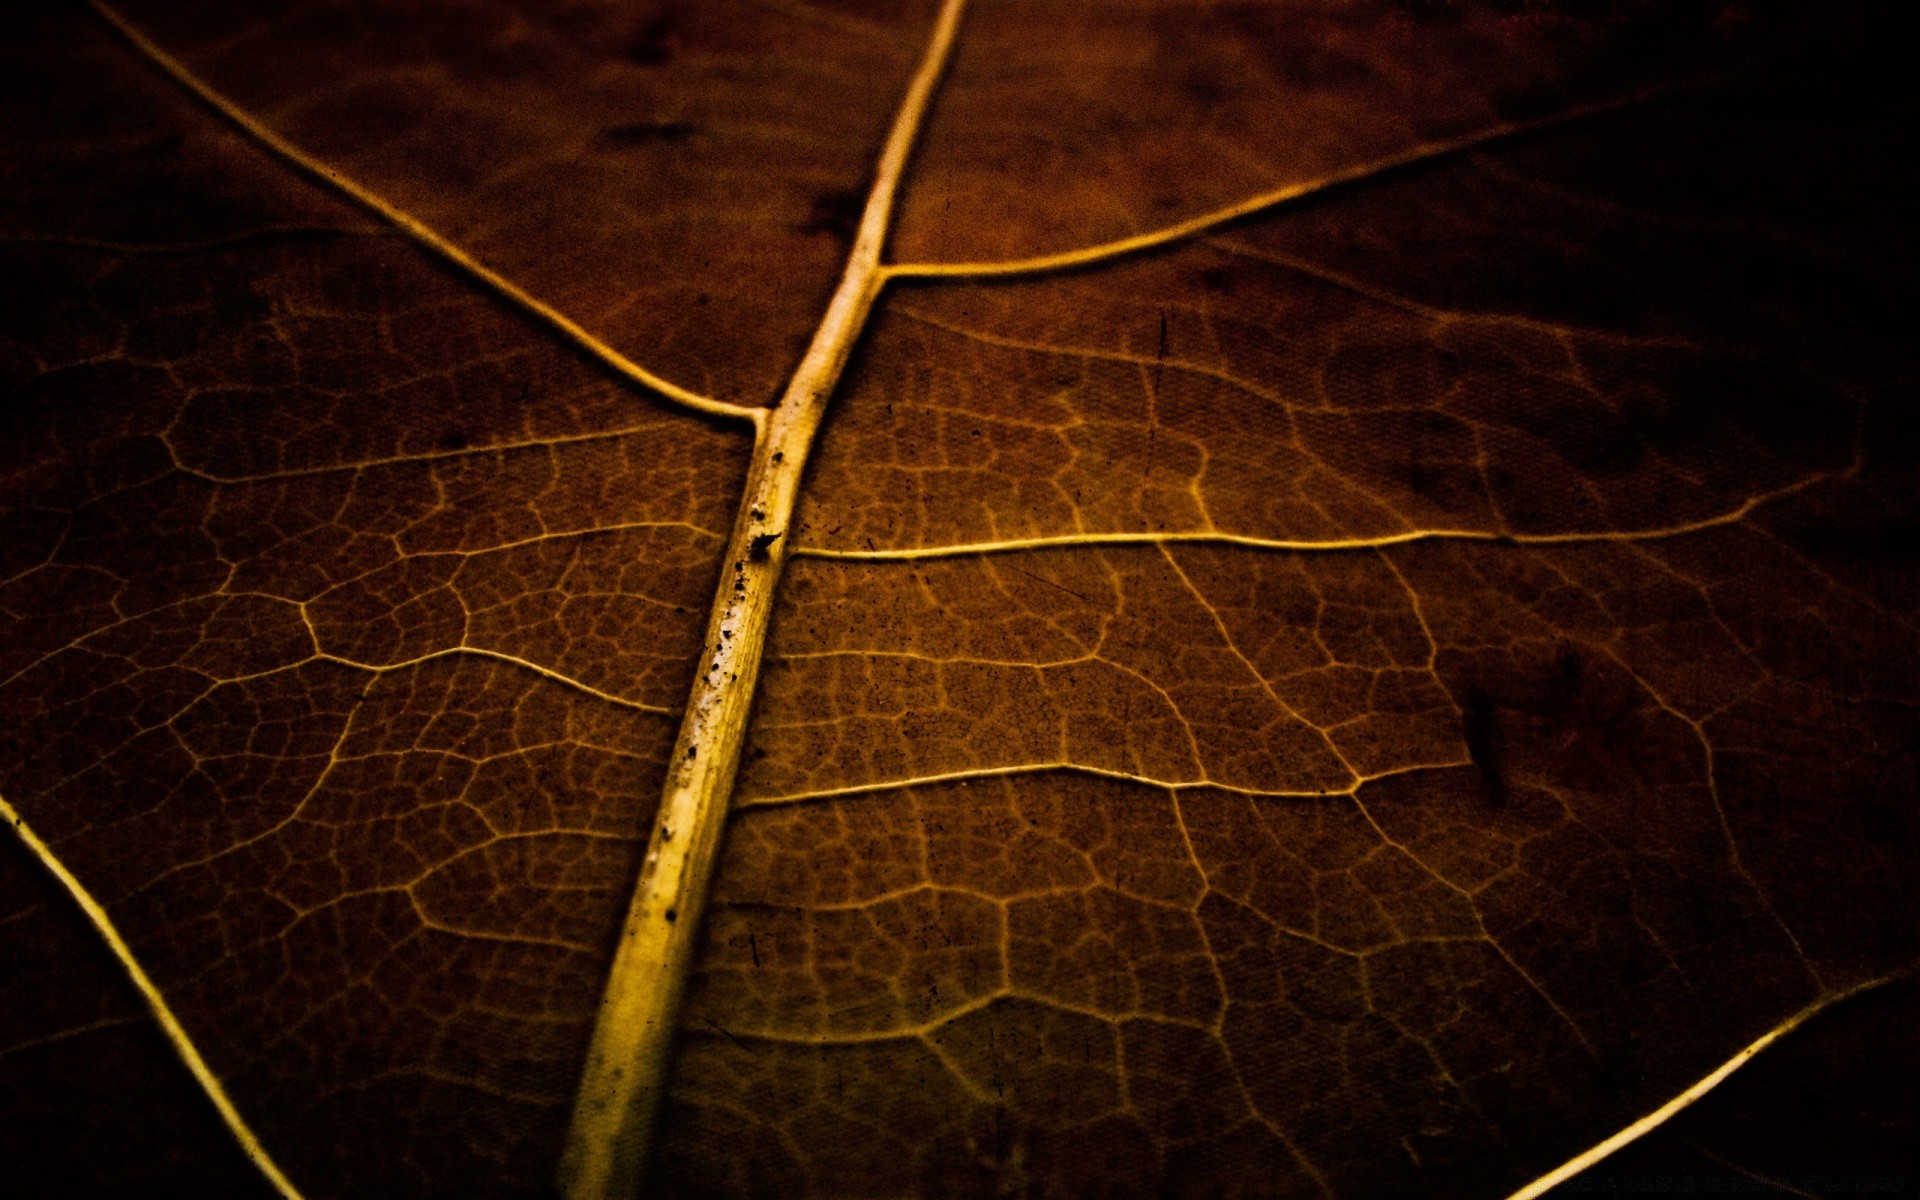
926 1029
1671 1108
1383 541
1170 785
1773 1186
497 656
418 231
157 1004
1424 152
501 449
54 1039
1427 312
1083 352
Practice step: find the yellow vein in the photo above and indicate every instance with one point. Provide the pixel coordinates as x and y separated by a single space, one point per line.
1083 352
1423 152
498 449
418 231
1671 1108
1380 542
960 1011
78 1031
888 785
629 1060
1439 316
1167 785
482 652
156 1003
1764 1184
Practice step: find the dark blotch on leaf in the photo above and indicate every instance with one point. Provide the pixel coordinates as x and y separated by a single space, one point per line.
454 439
1481 729
1570 665
642 132
836 213
654 44
162 146
1529 104
761 543
1207 88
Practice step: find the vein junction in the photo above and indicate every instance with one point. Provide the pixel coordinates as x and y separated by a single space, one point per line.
421 233
629 1060
624 1085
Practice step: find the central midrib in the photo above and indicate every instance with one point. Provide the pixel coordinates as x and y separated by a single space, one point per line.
629 1060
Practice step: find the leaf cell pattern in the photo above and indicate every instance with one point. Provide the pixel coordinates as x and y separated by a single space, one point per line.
1354 650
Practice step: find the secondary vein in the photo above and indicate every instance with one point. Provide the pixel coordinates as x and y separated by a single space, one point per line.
170 1026
419 231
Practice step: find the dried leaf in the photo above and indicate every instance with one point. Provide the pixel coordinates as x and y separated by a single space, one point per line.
1351 626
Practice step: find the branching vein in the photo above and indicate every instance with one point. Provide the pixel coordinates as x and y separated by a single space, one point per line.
1423 152
629 1059
628 1067
411 226
1732 516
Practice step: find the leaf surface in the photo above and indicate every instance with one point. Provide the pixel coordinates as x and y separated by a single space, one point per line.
89 1079
1366 698
681 179
1064 125
323 668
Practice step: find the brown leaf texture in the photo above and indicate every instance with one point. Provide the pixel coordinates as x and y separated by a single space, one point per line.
1350 632
637 166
